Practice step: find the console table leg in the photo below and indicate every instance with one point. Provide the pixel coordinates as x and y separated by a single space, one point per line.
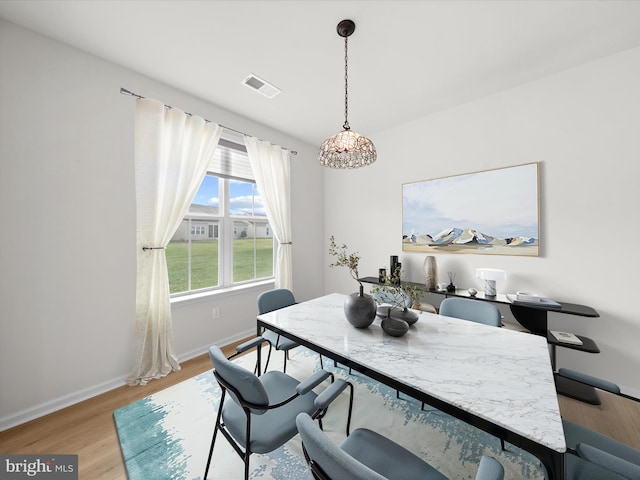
552 354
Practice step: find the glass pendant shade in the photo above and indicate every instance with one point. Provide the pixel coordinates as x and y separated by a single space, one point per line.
347 149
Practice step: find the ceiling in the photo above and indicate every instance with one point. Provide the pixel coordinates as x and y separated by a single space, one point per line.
407 59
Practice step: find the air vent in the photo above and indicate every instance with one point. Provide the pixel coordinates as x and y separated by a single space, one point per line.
261 86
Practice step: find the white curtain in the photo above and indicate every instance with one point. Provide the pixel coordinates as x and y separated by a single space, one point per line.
270 165
172 152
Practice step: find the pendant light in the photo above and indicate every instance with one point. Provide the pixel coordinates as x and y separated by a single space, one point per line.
346 149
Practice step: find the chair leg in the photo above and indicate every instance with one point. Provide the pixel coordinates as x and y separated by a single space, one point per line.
502 444
215 432
286 354
335 364
266 365
213 441
247 437
321 366
350 408
246 466
422 404
432 409
255 369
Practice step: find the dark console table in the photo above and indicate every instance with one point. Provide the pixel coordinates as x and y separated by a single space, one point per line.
534 318
531 316
567 386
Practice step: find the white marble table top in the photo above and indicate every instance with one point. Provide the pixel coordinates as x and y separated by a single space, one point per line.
499 375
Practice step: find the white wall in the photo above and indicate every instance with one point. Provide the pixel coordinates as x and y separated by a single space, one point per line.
67 210
583 126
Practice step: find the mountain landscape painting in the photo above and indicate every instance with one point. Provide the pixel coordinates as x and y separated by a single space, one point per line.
491 212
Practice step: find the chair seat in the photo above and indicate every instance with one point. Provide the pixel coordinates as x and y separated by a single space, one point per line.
579 469
576 434
282 343
274 427
387 457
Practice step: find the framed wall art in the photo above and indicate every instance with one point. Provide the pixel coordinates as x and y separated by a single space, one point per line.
495 212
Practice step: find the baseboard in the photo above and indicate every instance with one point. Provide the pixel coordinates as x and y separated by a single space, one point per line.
630 393
24 416
32 413
224 341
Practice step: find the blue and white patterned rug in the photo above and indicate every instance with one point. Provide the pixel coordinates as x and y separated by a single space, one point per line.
167 435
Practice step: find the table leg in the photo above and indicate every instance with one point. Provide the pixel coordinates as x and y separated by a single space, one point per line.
556 467
259 352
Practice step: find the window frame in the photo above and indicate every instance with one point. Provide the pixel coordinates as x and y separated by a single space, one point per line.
225 222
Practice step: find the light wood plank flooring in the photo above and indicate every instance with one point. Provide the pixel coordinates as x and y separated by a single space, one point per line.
88 429
617 417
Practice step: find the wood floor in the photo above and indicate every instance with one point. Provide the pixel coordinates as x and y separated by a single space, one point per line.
617 417
88 429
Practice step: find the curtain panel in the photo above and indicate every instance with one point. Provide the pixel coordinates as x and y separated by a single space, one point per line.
172 153
270 165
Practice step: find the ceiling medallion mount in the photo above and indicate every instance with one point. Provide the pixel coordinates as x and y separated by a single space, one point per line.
346 149
346 28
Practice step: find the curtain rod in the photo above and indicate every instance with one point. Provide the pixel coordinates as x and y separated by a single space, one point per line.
124 91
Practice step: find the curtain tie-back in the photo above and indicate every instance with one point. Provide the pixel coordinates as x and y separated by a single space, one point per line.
153 248
285 243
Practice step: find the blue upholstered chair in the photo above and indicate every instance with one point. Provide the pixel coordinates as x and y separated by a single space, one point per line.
578 469
258 414
589 380
593 454
268 302
600 456
472 310
367 455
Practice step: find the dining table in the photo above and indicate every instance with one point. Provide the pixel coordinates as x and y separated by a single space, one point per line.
498 380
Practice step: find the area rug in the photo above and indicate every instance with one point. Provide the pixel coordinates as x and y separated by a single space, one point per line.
167 435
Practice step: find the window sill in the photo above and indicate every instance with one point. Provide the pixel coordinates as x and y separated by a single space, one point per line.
221 292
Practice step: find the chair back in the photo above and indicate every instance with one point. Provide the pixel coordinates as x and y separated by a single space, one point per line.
243 386
327 461
472 310
275 299
490 469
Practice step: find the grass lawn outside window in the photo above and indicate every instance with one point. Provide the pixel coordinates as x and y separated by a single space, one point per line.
248 264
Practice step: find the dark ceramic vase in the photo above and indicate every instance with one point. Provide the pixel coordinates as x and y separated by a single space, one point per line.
394 326
405 314
360 309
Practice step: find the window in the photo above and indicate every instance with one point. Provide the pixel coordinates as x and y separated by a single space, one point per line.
225 237
197 230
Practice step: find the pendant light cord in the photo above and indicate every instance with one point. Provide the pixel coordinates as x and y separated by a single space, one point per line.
346 86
